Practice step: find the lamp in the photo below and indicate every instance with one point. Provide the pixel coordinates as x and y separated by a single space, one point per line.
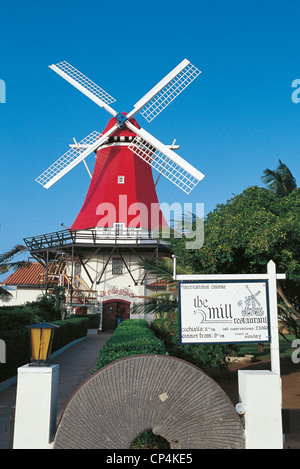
41 338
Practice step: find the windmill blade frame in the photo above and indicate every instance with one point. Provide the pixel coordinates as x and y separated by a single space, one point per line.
85 85
162 94
72 157
164 160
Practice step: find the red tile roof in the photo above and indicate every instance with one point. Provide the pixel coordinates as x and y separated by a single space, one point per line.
26 275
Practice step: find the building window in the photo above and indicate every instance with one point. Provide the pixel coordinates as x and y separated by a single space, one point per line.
117 266
121 179
77 273
119 229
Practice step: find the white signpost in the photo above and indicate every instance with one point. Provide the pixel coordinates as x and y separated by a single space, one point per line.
233 309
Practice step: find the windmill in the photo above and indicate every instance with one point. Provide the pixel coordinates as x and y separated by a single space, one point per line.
123 129
252 305
122 177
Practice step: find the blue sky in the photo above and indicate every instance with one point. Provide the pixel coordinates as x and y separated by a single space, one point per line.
231 123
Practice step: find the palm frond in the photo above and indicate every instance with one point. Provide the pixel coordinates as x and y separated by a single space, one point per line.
162 268
158 303
5 295
162 302
5 267
280 181
5 259
288 180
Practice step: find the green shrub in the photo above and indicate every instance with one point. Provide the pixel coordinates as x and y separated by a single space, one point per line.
69 330
133 323
94 319
17 340
16 318
148 440
201 355
17 351
164 330
132 337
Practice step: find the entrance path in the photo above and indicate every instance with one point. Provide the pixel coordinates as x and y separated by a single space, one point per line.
75 367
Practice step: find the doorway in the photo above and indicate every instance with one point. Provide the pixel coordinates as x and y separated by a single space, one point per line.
112 309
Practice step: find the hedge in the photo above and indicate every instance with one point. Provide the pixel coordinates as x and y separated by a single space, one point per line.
17 352
201 355
69 330
132 337
17 342
94 319
16 319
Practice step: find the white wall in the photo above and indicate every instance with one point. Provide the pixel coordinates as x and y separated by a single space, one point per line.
20 295
121 287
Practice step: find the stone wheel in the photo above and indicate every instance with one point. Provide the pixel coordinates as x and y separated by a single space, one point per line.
170 396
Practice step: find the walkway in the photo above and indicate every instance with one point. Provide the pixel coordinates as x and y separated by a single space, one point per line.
75 366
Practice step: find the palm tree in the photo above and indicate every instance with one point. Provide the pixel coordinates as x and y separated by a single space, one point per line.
162 303
7 264
280 181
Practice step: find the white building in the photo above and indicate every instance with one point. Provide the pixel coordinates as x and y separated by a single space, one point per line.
25 284
99 268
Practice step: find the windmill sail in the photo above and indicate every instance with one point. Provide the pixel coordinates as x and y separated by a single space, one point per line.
164 160
66 161
85 85
157 99
147 147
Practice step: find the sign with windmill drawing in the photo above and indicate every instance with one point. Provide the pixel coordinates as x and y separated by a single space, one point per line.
224 312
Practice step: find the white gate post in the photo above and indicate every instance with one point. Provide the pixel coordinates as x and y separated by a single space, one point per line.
261 391
274 345
36 407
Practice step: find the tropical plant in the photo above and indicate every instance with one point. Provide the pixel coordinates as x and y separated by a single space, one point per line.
244 234
5 295
162 303
280 181
7 263
50 306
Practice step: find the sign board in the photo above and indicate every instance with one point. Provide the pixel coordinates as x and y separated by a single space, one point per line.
225 311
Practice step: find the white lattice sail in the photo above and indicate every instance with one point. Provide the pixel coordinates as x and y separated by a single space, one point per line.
85 85
173 167
67 161
173 84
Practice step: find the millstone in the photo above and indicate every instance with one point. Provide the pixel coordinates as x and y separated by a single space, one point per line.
170 396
